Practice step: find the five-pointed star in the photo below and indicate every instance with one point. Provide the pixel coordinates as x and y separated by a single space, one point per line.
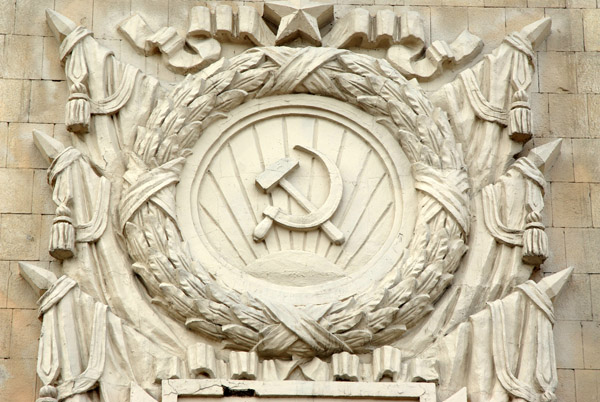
298 18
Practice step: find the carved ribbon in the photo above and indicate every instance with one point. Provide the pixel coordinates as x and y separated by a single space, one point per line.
545 370
69 43
62 161
92 230
455 184
482 107
493 221
295 69
59 289
88 379
508 380
119 98
148 186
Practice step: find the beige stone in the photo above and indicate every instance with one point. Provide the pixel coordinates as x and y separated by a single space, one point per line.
566 386
576 303
489 24
588 79
517 18
7 17
42 194
556 260
539 110
25 327
47 101
51 68
80 11
568 115
17 380
594 115
107 15
23 57
506 3
3 143
591 29
547 3
580 245
448 22
586 153
154 12
591 345
19 294
581 3
571 205
19 237
15 190
557 72
569 344
4 277
5 328
562 170
595 286
179 11
462 3
45 228
31 17
547 216
595 196
587 385
15 99
22 152
567 30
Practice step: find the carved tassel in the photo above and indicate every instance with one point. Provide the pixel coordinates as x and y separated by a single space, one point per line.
62 234
535 240
78 115
48 393
520 117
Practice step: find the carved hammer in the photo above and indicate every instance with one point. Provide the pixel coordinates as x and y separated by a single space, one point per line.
275 175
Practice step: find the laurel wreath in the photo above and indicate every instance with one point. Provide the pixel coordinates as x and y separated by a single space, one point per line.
242 321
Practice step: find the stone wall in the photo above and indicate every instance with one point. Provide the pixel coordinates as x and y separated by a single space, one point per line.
566 100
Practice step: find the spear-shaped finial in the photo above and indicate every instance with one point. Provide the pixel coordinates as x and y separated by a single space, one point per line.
538 31
60 25
545 155
40 279
48 146
553 284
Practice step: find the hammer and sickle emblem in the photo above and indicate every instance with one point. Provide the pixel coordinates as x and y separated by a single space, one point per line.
317 217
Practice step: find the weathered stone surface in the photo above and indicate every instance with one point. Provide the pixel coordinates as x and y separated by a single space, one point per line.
577 297
571 205
17 380
567 31
15 100
16 186
588 81
567 107
568 115
25 327
591 345
591 30
45 96
569 344
587 385
578 242
23 57
19 236
586 152
557 72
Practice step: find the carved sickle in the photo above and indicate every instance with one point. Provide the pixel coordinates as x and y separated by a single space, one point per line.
275 175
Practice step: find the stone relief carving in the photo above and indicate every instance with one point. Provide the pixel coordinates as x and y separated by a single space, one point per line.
296 214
